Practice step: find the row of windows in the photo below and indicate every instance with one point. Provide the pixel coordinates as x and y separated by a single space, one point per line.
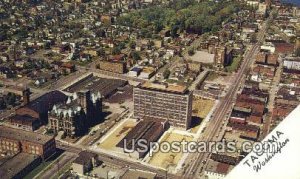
62 124
161 115
162 98
172 109
4 142
161 103
157 94
166 111
11 148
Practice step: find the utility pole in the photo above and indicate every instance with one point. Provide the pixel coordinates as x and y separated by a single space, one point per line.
57 166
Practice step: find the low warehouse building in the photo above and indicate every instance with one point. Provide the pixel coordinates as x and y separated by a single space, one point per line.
149 131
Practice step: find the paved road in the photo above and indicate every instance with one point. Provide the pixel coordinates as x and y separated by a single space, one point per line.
273 91
199 78
54 168
117 160
92 69
196 159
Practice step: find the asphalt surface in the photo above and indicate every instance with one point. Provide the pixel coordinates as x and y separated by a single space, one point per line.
117 160
196 160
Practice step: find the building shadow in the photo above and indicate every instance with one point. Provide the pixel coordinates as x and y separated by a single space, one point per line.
196 121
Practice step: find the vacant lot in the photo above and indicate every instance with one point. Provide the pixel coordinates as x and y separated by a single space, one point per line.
118 134
212 76
201 108
166 160
234 65
203 57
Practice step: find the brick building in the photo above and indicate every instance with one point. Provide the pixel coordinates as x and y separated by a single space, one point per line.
24 122
13 141
223 56
39 108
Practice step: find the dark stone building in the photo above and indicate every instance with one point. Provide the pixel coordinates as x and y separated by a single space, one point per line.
38 108
75 115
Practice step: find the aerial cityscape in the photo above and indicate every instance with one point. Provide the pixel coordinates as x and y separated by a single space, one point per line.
143 89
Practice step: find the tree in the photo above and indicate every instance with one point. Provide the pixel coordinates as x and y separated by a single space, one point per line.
2 104
174 30
64 72
253 38
10 99
297 52
116 51
132 44
191 51
136 56
122 45
47 45
101 52
100 33
29 65
166 73
158 26
3 35
150 44
22 33
181 15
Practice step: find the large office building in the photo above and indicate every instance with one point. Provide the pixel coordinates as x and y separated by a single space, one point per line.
163 102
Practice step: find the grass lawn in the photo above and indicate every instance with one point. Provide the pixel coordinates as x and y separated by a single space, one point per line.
114 138
234 65
201 108
165 160
212 76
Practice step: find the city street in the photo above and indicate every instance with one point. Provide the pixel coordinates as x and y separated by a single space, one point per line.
195 162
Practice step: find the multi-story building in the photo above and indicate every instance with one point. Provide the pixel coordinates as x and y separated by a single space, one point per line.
77 114
13 141
291 64
38 108
164 102
223 56
85 162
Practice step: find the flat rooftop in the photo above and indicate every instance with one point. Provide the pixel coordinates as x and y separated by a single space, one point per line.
164 87
148 130
95 84
217 167
289 58
13 166
21 135
130 174
235 136
84 157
